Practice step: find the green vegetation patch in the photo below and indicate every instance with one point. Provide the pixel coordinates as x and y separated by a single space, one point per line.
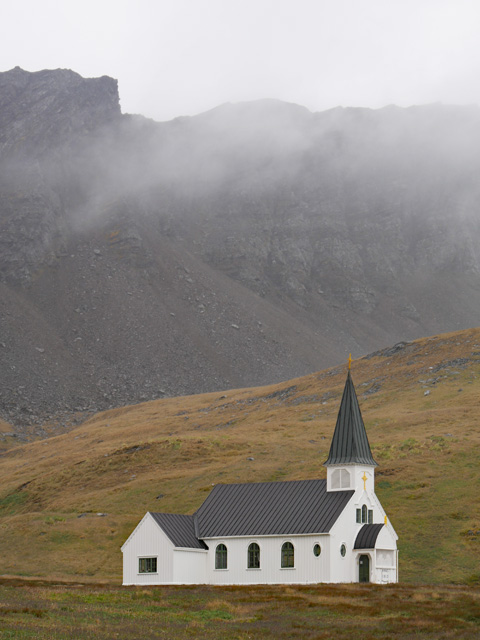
42 610
13 502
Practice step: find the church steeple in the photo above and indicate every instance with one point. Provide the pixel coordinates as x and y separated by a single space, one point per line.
350 443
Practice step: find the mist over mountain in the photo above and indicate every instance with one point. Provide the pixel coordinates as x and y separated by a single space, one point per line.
249 244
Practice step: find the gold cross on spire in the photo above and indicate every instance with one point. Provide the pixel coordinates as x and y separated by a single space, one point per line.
349 361
364 478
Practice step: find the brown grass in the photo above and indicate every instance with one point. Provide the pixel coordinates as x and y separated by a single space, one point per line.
42 610
166 455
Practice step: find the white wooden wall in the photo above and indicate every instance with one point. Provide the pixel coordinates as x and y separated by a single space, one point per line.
308 568
148 540
385 568
345 532
189 566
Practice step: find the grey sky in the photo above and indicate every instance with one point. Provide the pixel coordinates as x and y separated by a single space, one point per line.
181 57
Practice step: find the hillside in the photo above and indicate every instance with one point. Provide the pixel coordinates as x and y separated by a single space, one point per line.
67 503
244 246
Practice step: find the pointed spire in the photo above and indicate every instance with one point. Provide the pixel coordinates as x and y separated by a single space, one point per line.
350 443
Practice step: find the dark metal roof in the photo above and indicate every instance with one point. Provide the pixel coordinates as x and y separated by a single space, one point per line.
350 442
367 536
270 508
180 529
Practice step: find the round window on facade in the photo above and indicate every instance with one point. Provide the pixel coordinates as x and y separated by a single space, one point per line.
343 550
317 550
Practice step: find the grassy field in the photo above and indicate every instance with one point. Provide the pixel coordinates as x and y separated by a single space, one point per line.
67 503
54 612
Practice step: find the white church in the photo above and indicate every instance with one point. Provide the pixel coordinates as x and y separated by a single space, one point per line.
297 532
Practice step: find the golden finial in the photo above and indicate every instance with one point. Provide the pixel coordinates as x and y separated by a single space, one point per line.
349 361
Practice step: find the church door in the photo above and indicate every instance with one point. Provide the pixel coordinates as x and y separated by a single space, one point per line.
364 569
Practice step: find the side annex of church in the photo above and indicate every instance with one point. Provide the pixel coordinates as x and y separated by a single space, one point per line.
293 532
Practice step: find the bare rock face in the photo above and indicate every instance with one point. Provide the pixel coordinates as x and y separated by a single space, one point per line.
41 110
44 117
250 244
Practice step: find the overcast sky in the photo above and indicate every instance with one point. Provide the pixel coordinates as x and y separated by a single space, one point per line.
181 57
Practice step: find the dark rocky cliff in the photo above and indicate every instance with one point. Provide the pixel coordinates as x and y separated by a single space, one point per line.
41 110
251 243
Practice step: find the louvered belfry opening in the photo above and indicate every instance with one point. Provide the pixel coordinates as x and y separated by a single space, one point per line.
350 443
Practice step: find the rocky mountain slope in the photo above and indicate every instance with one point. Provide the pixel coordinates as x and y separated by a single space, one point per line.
250 244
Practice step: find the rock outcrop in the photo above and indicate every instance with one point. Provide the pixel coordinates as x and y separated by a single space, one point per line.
252 243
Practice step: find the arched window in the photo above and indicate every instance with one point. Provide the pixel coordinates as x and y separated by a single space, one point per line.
253 556
345 479
288 555
364 513
221 557
343 550
341 479
317 550
336 479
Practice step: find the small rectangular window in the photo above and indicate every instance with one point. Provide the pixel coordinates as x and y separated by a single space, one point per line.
359 516
147 565
370 517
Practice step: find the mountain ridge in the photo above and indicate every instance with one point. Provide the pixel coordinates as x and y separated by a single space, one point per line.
250 244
